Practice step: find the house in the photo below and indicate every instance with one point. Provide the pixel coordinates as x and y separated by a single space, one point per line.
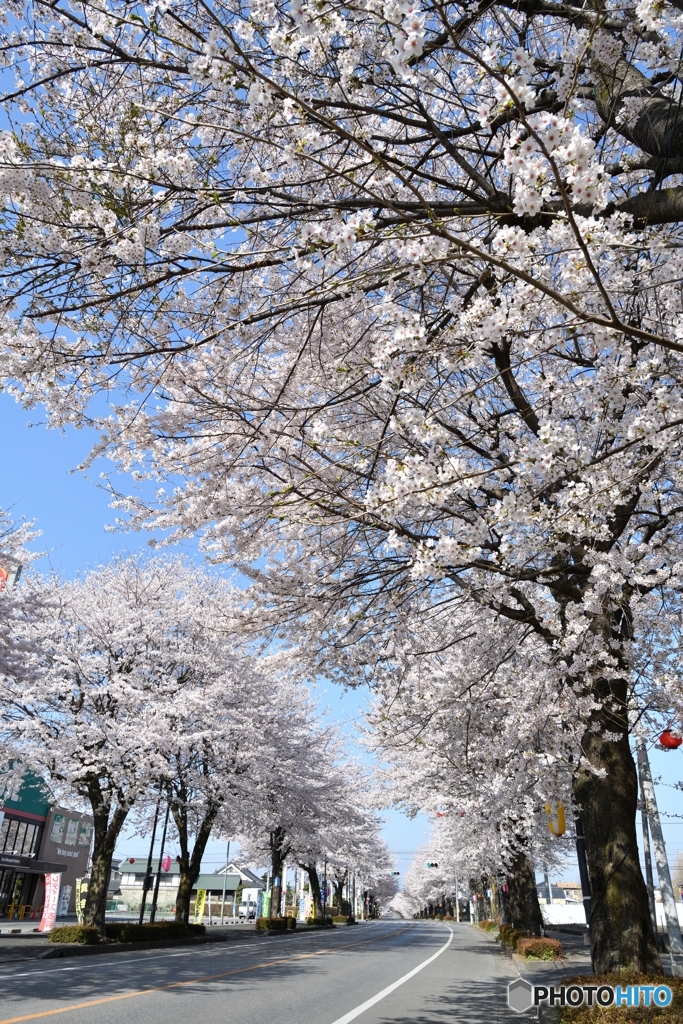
572 891
133 869
557 891
38 837
248 878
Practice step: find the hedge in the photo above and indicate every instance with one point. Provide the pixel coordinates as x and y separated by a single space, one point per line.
344 919
82 933
320 921
276 924
487 926
510 935
125 931
540 949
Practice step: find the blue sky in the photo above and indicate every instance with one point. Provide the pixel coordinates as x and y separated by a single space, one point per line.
71 510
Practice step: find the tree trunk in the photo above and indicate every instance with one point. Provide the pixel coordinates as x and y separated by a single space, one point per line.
278 853
314 883
190 863
105 836
522 898
338 883
622 940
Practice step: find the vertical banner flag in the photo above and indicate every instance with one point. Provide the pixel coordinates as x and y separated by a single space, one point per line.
81 895
64 901
51 899
200 900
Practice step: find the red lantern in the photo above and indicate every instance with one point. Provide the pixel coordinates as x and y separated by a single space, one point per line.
670 740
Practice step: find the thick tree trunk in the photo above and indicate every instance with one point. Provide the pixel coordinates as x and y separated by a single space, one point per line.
190 863
338 883
522 897
278 855
622 940
105 836
314 883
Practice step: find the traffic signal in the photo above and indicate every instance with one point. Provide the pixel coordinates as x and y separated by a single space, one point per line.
432 864
394 872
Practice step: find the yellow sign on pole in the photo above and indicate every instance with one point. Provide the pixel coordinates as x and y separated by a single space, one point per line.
81 897
199 902
556 818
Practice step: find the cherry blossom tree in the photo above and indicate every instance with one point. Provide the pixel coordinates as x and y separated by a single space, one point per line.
311 806
127 652
221 723
394 288
476 736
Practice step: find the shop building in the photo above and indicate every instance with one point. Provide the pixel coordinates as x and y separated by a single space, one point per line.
38 838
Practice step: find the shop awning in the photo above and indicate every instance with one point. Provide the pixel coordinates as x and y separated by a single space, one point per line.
30 865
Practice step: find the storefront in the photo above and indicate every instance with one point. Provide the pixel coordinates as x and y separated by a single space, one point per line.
39 838
22 885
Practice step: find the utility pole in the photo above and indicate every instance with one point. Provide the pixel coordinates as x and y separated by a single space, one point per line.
153 911
547 883
457 900
147 884
649 878
668 902
225 880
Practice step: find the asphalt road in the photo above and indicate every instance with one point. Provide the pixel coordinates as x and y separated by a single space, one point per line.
322 978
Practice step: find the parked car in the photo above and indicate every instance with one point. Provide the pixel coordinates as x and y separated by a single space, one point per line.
249 905
247 910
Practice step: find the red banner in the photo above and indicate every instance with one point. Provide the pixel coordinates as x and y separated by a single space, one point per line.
51 901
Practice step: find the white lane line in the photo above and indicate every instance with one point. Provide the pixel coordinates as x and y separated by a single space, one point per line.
352 1014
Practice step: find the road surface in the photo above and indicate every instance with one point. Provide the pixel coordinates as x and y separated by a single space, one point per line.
384 972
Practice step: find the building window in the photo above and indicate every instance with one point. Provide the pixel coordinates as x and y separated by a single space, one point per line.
19 837
11 836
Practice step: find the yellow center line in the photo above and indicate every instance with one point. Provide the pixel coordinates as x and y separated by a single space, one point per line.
196 981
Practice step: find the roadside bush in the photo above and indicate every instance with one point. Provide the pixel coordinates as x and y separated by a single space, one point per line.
672 1014
487 926
540 949
125 931
510 936
82 933
275 924
321 921
344 919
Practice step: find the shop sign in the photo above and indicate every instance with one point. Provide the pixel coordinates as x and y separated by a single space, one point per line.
81 896
51 900
200 900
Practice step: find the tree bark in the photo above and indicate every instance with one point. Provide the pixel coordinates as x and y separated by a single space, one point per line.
622 940
314 883
522 898
105 834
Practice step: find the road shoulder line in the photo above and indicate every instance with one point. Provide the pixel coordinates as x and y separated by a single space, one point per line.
352 1014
